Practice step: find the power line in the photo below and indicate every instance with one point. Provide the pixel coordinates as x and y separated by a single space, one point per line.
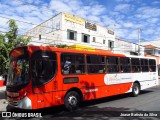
17 20
54 42
28 4
54 28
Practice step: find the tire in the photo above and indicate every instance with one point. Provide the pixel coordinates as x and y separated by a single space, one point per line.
72 100
135 90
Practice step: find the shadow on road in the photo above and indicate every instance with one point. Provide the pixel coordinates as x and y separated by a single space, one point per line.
88 110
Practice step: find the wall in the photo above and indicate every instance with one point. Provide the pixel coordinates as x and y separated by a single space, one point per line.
54 31
126 47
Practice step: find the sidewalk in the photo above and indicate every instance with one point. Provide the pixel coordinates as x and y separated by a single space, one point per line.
2 88
2 99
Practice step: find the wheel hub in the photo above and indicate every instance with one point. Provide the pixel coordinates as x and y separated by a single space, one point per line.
136 90
72 100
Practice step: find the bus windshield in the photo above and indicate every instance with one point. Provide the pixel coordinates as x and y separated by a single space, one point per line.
18 72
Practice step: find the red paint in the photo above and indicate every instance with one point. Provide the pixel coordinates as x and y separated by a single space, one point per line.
53 92
1 83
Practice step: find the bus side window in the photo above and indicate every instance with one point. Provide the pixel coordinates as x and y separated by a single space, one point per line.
144 65
44 66
67 66
125 64
96 64
112 64
135 63
72 63
152 65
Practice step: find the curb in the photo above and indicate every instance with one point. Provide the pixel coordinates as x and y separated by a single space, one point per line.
3 88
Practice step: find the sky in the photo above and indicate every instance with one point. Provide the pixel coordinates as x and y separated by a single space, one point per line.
124 16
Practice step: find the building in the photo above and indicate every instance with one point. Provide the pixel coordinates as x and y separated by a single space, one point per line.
125 47
152 49
70 29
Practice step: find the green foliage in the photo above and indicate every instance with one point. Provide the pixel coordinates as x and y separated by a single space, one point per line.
8 42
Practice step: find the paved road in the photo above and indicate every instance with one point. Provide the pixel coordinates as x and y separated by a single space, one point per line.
147 103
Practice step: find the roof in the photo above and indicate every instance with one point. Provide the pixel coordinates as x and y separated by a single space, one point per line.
126 41
150 46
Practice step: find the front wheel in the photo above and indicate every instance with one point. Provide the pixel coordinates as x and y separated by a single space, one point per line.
135 89
72 100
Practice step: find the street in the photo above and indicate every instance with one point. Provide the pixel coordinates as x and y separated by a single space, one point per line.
147 102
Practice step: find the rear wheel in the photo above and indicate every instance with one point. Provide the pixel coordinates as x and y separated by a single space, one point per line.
72 100
135 89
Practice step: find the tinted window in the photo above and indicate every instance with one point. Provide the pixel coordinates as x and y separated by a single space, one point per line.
144 65
96 64
152 65
44 67
72 63
125 65
112 64
135 64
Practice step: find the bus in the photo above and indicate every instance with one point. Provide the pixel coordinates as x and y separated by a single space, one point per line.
43 76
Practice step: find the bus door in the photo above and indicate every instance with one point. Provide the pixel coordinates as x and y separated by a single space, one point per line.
43 67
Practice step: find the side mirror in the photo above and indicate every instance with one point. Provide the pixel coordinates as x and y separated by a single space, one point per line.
4 83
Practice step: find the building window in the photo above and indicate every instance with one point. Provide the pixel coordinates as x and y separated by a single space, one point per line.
71 35
104 41
85 38
110 44
40 37
94 39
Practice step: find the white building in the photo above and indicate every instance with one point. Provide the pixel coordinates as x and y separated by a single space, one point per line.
152 47
125 47
69 29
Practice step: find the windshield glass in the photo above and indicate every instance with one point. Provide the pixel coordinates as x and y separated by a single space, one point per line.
18 72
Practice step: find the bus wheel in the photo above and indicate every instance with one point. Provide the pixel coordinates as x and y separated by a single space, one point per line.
135 89
72 100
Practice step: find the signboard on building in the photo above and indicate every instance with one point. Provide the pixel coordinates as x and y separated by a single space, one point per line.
90 26
74 19
111 32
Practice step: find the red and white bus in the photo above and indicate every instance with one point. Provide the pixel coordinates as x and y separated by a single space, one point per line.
47 76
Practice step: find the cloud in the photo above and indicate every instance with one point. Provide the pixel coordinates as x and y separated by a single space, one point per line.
123 7
124 0
121 13
59 6
147 12
128 24
153 20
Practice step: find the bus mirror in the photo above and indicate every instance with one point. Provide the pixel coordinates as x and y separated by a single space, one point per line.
5 80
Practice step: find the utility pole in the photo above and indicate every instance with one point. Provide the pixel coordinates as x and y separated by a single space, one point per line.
139 40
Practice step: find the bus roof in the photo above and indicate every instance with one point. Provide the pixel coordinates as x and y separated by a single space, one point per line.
70 50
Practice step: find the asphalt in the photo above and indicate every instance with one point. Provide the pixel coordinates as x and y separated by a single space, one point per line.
3 101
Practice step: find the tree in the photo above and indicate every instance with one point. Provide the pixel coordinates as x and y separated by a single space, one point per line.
9 41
